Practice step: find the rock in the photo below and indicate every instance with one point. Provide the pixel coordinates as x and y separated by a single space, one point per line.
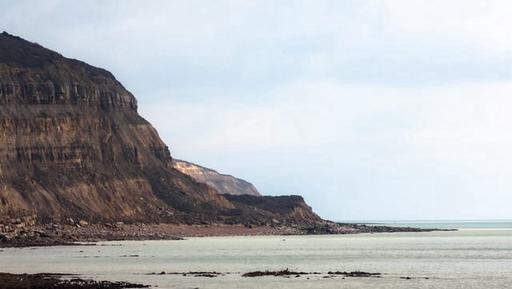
69 130
354 274
83 223
42 234
224 184
83 136
43 280
285 272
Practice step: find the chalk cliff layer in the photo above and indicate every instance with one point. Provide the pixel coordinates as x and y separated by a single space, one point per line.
224 184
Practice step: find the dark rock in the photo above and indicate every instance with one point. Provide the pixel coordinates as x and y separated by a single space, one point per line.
47 281
192 273
354 274
285 272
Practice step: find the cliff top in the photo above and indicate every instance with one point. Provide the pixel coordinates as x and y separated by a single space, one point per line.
18 52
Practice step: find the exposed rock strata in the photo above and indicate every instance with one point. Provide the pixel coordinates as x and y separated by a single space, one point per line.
277 209
73 147
224 184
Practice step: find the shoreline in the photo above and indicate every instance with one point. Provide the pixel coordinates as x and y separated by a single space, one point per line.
58 235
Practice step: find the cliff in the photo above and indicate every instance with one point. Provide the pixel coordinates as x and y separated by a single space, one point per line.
277 209
224 184
73 147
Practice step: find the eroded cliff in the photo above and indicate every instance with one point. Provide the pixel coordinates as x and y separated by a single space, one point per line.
72 146
224 184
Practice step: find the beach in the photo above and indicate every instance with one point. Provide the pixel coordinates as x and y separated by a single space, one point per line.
468 258
30 235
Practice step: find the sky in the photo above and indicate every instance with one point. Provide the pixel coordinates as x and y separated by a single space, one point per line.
371 110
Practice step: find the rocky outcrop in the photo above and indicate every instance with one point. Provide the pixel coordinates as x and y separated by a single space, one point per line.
224 184
56 281
73 147
274 209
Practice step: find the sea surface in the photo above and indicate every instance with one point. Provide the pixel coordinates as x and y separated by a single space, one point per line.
479 255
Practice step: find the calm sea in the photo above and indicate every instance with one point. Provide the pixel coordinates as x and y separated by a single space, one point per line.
444 224
479 255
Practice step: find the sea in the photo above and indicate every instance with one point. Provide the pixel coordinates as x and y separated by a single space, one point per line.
477 255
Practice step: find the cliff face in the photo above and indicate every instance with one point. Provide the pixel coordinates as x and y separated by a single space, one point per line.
224 184
72 145
279 209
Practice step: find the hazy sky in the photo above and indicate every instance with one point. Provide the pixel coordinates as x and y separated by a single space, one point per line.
369 109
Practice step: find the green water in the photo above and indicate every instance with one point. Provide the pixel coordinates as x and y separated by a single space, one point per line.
474 224
470 258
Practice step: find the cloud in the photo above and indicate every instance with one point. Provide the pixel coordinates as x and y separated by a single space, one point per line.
256 44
